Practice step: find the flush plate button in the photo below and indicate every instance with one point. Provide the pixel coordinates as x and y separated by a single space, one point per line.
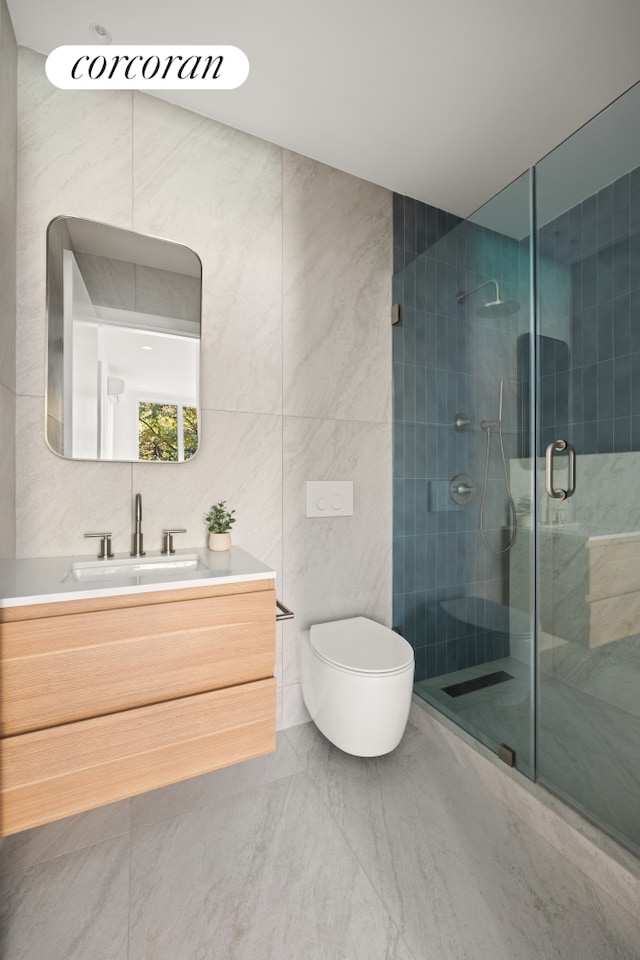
329 498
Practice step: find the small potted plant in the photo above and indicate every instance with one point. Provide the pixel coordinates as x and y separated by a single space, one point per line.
219 521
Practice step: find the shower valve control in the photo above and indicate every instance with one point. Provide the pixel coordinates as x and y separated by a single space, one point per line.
329 498
462 488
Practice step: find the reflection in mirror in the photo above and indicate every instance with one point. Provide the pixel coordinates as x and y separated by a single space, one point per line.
123 344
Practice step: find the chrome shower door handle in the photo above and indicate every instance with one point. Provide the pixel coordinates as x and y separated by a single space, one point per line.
571 453
559 446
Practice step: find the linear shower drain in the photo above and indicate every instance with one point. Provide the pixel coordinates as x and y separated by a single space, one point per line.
468 686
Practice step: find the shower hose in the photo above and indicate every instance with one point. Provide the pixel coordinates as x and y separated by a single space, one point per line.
512 507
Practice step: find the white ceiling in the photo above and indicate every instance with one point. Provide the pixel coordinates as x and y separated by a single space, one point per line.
443 100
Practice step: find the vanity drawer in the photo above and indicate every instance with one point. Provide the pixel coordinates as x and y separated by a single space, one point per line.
613 566
60 669
49 774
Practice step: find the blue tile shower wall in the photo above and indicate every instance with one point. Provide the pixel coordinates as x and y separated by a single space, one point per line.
416 227
444 363
599 240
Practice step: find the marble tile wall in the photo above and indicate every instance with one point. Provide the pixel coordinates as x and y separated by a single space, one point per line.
296 345
129 286
7 472
7 281
337 399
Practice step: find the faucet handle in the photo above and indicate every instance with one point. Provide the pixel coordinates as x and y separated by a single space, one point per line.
105 545
167 539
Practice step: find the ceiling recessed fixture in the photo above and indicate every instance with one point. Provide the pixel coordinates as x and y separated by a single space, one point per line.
147 348
100 33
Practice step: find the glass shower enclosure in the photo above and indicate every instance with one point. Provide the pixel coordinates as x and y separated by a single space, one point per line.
516 470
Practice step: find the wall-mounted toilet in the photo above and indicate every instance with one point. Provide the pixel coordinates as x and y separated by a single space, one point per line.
357 680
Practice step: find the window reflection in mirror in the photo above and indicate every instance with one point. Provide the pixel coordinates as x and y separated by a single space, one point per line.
123 364
167 431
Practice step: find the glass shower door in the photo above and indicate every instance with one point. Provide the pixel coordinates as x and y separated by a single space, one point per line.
463 482
587 352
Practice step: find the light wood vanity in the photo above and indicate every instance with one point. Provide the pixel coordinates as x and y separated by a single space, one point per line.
590 594
110 696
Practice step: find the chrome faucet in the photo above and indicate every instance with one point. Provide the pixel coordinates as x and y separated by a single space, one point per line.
137 550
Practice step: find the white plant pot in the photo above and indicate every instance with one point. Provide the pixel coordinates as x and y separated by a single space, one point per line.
219 541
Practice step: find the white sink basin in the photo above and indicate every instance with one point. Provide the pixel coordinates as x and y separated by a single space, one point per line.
134 568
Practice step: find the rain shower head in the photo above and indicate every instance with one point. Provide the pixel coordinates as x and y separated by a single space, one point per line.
491 308
498 308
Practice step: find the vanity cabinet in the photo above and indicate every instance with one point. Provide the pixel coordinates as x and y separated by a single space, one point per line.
108 697
589 591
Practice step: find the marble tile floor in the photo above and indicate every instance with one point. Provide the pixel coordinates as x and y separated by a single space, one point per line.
588 747
308 854
609 673
495 714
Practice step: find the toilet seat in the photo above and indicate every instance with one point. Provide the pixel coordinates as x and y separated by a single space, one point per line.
361 646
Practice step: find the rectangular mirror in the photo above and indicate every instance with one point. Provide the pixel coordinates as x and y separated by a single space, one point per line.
123 344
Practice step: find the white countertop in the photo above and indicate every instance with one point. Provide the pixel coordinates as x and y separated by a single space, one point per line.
48 580
595 535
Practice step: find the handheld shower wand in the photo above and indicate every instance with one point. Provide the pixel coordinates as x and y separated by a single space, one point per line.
490 425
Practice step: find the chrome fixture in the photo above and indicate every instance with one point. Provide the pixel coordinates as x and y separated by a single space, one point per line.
137 550
167 539
491 308
105 545
460 422
507 755
285 614
461 489
490 425
560 445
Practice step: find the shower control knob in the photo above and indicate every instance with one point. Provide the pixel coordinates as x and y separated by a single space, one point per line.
464 488
460 422
461 489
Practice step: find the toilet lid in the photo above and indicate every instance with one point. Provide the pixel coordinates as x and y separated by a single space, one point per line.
361 645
